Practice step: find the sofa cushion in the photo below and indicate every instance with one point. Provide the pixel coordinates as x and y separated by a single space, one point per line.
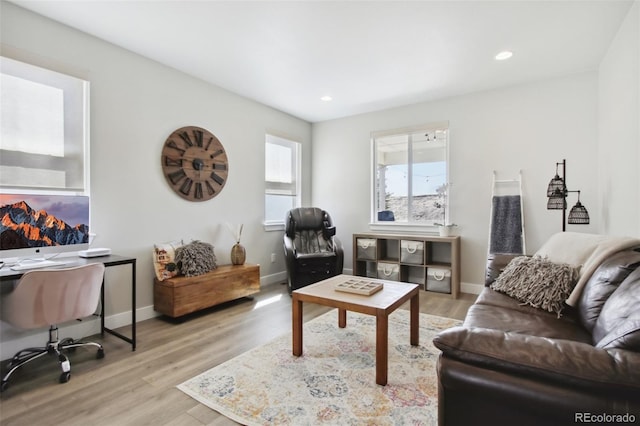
540 323
491 297
603 283
537 282
619 323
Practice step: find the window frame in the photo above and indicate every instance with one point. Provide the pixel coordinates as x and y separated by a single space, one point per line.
279 188
76 138
408 226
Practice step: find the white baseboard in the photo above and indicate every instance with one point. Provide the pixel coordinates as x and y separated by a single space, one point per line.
471 288
124 318
276 278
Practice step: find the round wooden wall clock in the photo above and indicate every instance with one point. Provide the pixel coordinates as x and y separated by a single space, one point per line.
194 163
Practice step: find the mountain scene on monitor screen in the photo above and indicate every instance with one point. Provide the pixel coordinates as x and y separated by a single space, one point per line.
22 227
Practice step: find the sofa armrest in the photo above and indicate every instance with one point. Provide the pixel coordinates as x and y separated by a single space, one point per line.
561 361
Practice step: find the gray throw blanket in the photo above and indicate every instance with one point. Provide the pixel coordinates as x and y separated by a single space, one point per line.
506 225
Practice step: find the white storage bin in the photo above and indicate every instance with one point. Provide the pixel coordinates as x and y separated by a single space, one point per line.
439 280
388 271
366 248
412 252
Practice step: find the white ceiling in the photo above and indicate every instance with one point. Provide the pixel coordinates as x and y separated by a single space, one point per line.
367 55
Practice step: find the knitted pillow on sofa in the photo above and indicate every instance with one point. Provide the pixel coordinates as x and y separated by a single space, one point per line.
619 323
537 282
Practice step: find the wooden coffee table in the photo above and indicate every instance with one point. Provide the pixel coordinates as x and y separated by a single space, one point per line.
379 304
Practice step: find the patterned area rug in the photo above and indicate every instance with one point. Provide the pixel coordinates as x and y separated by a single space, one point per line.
333 383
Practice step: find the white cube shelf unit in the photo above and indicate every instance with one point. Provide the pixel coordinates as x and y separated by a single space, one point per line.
431 261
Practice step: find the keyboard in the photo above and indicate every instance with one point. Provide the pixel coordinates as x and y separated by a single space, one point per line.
26 266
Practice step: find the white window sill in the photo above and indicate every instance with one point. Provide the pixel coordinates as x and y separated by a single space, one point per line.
411 228
273 226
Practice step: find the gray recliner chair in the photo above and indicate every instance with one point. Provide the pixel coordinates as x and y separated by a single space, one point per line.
312 251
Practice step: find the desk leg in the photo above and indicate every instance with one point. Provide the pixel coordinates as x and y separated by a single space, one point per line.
297 325
414 319
102 308
133 306
382 348
131 339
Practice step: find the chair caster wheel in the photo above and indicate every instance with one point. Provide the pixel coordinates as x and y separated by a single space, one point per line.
4 386
64 377
100 353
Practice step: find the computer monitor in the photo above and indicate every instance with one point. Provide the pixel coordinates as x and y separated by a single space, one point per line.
41 226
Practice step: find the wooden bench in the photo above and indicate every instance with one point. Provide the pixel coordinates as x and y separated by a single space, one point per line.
182 295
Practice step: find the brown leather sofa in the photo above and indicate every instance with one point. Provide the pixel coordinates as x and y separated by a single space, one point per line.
510 364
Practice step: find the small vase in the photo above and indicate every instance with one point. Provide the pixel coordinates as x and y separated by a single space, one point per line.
238 254
444 231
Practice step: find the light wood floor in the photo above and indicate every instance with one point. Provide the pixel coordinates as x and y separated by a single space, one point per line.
138 388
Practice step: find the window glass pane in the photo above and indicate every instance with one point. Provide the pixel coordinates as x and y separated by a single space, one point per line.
34 177
282 181
428 199
43 128
391 178
429 177
278 167
276 206
32 117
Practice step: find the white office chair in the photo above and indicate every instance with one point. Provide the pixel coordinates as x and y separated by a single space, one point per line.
47 297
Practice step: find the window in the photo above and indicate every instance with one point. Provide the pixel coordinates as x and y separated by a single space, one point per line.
282 178
44 128
411 175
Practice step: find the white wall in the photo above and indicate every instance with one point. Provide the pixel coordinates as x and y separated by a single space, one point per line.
135 104
528 127
619 130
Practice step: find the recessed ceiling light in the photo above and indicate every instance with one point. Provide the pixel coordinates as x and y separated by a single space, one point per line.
504 55
326 98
